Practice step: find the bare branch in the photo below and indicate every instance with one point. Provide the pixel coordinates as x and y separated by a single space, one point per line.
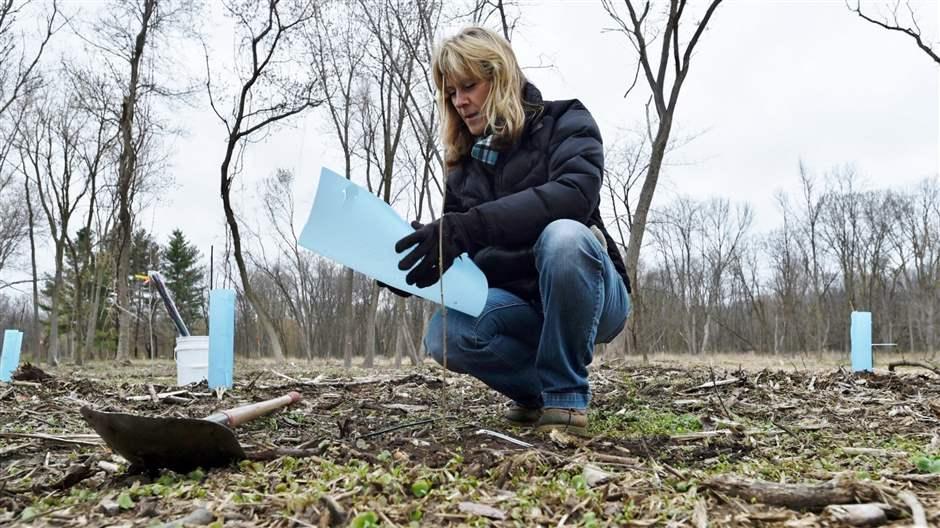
896 25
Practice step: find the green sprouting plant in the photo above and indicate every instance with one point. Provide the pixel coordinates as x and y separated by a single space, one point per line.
927 464
365 520
420 488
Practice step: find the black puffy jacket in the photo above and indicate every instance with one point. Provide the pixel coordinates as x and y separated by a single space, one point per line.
553 171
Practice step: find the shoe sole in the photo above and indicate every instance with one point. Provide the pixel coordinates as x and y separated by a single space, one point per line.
573 429
521 423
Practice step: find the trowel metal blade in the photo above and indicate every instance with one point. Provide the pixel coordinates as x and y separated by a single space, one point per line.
180 444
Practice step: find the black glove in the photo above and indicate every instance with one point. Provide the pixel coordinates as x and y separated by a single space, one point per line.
463 233
396 291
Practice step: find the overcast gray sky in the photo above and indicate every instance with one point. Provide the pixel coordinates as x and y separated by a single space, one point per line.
771 83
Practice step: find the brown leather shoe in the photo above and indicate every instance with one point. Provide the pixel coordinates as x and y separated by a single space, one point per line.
520 415
573 421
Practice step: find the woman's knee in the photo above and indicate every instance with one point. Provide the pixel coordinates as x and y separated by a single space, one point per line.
565 241
434 342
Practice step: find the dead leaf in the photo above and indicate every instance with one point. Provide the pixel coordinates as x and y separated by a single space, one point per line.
870 514
594 476
700 514
562 439
475 508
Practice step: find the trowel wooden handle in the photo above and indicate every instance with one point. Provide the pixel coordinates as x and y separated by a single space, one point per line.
239 415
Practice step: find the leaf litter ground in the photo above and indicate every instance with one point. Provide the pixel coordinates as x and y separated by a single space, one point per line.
671 446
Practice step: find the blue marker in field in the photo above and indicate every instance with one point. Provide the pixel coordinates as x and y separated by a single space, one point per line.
10 357
221 337
861 341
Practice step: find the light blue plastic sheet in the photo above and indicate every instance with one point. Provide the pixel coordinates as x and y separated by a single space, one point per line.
861 341
350 225
221 337
10 357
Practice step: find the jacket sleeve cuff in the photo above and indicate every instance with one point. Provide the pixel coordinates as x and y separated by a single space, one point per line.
475 232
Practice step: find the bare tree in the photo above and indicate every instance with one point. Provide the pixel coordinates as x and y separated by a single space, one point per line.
638 29
292 271
129 37
19 75
676 232
338 63
14 222
636 26
269 93
905 23
417 25
380 97
724 238
21 49
31 218
93 96
49 151
485 10
843 231
787 282
626 161
382 111
915 248
812 250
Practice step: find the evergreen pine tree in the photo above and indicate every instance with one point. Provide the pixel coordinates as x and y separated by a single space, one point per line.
84 257
145 253
184 277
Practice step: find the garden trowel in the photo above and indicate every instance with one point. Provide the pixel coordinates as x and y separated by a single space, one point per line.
180 444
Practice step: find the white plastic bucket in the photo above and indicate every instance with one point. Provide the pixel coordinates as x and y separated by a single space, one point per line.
192 359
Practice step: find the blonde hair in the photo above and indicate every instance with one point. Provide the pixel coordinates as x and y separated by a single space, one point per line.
474 54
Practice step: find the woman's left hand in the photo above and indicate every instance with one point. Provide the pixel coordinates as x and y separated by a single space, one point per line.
433 254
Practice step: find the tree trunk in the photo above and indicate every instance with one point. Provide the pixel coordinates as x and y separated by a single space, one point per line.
54 313
399 342
124 322
347 325
91 321
406 323
638 228
910 327
37 353
127 168
931 330
266 323
633 328
706 332
75 352
70 340
776 334
309 342
370 326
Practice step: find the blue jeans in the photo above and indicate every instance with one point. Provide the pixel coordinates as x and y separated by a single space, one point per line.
540 358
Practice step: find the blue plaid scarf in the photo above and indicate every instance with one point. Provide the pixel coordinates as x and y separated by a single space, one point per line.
483 150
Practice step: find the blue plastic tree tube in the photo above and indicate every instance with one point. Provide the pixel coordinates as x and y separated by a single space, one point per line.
221 337
861 341
350 225
10 357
